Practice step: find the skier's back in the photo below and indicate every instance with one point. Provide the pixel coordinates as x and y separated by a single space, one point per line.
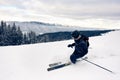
81 46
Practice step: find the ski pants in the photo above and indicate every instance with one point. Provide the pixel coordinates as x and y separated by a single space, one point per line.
75 56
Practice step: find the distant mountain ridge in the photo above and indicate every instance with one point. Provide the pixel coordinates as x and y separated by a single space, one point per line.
41 27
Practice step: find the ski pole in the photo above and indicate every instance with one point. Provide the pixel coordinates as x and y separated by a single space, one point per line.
99 66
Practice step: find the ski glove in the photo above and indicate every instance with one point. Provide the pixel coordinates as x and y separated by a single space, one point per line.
71 45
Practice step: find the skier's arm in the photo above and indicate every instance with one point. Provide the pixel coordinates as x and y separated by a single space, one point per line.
71 45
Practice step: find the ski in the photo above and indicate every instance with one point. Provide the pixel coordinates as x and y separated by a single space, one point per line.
55 64
63 65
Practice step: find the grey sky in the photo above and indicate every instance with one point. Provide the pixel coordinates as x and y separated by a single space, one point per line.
71 9
65 8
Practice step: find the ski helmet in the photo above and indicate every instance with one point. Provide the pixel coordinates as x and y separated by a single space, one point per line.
75 34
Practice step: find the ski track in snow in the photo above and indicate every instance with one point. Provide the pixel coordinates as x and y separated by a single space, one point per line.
30 62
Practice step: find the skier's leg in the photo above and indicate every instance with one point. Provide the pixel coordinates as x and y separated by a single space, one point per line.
73 58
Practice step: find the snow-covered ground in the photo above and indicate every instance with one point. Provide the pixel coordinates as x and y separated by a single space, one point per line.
30 62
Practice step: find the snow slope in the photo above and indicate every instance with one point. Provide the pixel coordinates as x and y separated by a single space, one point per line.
30 62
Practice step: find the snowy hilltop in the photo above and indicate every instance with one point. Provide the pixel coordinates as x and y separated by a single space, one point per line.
30 62
42 27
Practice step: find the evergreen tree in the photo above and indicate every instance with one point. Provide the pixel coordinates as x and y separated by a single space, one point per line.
32 37
25 39
2 33
12 35
19 36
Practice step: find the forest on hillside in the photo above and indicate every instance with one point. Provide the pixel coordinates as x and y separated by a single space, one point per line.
12 35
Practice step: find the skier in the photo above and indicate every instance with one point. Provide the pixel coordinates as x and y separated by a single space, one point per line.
81 46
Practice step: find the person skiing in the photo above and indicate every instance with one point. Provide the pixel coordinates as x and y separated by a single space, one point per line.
81 46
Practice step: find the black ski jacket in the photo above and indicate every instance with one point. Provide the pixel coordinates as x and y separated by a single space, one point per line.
81 46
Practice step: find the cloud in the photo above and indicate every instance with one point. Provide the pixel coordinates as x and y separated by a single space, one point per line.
60 8
72 12
75 8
